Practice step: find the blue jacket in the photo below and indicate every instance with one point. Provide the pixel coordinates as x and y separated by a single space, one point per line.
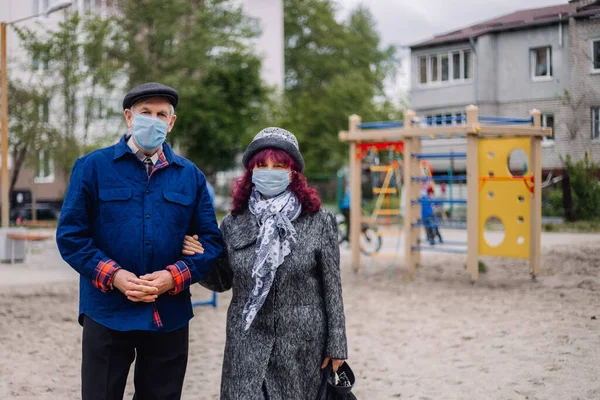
426 209
345 203
114 216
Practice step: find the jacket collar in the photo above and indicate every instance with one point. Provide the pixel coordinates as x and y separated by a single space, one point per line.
244 230
121 148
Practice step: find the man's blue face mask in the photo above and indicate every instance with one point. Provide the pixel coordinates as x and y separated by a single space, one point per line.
149 132
271 182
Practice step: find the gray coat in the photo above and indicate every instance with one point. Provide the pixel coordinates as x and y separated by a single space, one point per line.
301 321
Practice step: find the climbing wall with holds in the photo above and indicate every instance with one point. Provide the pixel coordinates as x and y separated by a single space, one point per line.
504 198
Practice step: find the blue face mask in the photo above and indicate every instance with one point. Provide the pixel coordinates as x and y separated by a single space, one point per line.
271 182
149 132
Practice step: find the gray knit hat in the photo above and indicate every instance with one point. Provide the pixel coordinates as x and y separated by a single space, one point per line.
276 138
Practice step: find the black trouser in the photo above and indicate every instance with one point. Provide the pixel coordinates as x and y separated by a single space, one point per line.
432 230
161 360
346 214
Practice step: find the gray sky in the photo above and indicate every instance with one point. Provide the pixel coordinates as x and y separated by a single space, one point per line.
409 21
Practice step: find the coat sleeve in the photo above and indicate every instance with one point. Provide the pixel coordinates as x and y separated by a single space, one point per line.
220 277
332 288
192 269
74 233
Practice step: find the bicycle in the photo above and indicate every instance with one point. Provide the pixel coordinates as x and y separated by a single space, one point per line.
370 240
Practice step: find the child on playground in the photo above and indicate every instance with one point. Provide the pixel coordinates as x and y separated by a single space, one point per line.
427 216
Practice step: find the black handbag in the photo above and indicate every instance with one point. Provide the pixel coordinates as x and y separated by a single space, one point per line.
340 390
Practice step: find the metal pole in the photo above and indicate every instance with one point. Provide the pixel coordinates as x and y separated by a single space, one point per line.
4 142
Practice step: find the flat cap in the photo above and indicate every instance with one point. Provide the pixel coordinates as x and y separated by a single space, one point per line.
150 89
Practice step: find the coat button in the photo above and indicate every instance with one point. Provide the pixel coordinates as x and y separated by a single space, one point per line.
148 243
147 216
147 192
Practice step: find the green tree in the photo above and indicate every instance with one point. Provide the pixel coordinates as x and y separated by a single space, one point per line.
29 129
77 64
202 48
333 69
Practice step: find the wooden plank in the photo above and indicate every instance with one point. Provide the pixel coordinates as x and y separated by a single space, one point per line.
379 135
416 208
535 251
502 130
355 197
401 133
434 131
387 212
409 216
382 168
385 191
472 196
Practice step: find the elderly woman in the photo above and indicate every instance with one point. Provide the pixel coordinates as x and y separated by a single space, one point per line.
286 318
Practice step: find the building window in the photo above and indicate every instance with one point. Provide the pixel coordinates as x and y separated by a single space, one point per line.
434 68
448 119
541 62
44 111
459 118
89 5
456 66
445 67
444 119
548 122
40 58
596 123
44 168
467 64
423 69
596 55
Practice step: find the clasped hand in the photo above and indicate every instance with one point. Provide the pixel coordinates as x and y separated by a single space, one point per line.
146 288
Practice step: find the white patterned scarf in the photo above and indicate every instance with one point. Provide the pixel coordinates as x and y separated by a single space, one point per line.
275 240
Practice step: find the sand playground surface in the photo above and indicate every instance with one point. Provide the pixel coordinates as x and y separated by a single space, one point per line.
437 337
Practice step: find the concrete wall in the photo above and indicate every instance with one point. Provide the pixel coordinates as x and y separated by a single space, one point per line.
486 70
513 78
584 91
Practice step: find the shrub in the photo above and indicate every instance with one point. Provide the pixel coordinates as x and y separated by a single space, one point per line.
553 206
585 187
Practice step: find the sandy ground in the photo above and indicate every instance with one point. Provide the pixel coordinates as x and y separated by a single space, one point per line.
437 337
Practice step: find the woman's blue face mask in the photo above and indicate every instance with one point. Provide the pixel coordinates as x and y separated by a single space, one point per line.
271 182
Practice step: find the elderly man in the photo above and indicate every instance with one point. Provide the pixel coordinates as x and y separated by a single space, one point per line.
126 212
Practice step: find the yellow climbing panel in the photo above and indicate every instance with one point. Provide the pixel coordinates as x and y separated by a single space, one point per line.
505 197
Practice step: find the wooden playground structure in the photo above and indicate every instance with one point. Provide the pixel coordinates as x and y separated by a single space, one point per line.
493 192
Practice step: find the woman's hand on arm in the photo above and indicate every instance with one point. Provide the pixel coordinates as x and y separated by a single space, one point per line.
336 363
192 246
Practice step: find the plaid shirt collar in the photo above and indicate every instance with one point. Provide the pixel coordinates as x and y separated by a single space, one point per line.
140 154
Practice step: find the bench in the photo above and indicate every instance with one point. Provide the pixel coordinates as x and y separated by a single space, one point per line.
39 224
27 237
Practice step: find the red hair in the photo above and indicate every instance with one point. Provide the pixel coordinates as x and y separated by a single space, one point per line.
242 188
